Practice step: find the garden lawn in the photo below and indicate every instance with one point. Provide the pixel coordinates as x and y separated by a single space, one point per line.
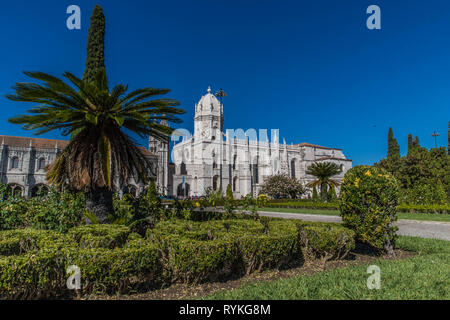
400 215
424 276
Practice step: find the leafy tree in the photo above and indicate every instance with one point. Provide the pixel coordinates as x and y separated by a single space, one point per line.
282 186
323 171
95 58
101 157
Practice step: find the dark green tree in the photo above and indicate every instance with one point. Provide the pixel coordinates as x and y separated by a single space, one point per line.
410 143
95 58
331 196
393 147
315 195
229 193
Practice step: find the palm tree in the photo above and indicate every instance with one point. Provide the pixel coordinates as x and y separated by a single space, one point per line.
323 171
100 156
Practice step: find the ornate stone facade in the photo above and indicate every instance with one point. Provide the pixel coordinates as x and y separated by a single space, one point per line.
213 159
22 163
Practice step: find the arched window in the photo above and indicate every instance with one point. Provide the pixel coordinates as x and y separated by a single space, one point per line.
15 190
234 161
183 192
39 190
342 167
183 170
215 182
41 164
293 168
15 163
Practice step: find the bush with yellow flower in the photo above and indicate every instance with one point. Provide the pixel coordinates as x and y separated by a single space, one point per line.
368 202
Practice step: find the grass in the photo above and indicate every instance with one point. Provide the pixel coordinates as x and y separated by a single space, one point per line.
401 215
424 276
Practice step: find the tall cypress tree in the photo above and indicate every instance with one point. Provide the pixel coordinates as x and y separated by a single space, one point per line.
393 147
410 142
95 59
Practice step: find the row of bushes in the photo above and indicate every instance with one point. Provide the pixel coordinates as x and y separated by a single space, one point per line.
428 208
112 258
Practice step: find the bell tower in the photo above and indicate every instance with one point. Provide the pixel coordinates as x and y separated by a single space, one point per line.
208 120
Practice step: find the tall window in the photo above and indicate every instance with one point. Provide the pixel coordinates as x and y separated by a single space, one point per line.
255 170
234 161
183 170
293 168
235 184
15 163
41 164
215 182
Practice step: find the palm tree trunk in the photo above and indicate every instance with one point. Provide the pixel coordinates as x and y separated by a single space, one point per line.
100 203
323 192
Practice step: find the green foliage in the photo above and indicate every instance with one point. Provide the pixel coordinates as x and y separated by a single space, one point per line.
368 202
420 174
393 147
95 58
323 171
325 242
54 211
331 195
282 186
229 193
113 259
315 195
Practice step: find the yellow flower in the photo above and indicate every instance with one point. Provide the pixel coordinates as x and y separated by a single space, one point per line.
197 204
368 173
357 182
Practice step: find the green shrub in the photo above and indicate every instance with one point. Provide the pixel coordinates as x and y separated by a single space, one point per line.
188 260
58 211
15 242
33 275
325 241
112 259
119 269
368 203
99 235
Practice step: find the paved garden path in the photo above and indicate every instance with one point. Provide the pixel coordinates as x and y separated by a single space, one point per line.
423 229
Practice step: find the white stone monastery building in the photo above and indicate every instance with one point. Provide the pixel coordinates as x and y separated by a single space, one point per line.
212 158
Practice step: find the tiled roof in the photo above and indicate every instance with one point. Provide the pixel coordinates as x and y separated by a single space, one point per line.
305 144
35 142
332 158
146 152
41 143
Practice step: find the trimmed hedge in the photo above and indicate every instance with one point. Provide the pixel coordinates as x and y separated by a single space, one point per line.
302 204
111 259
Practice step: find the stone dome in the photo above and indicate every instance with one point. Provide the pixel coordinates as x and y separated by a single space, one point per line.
208 103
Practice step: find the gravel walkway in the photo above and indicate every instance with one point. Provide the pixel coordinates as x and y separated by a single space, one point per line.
423 229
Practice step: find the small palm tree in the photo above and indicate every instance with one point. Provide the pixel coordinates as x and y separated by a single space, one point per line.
100 156
323 171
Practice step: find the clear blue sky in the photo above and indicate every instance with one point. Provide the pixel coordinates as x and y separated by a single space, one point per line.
310 68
